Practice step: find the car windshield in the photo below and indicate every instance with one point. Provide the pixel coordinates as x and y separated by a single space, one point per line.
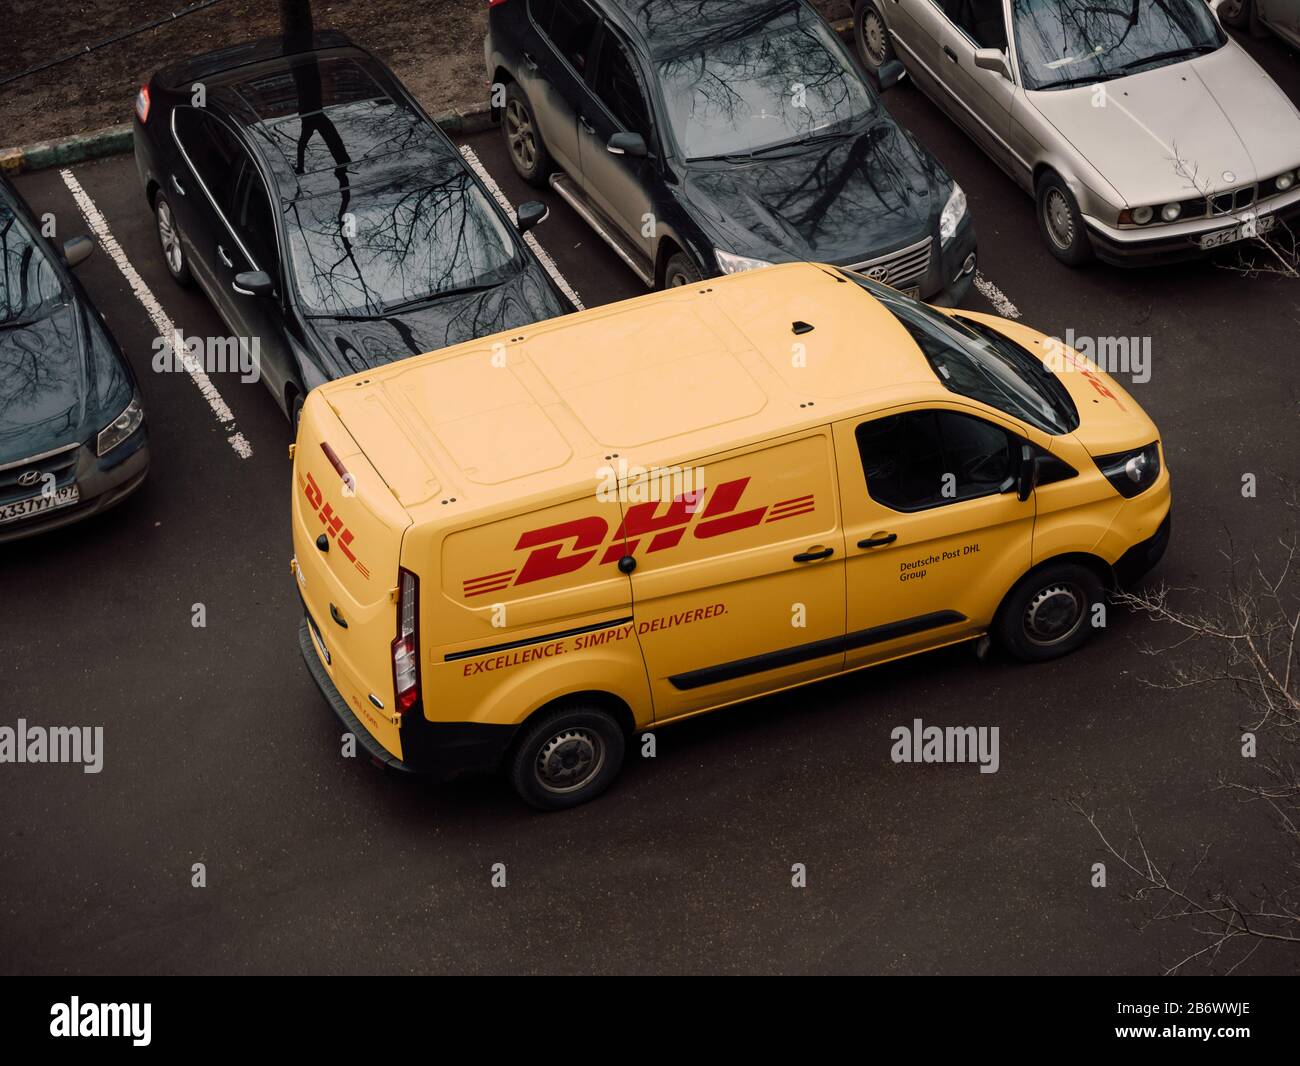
973 360
783 82
1061 43
29 285
393 246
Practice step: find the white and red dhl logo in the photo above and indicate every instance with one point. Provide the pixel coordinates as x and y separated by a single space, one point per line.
568 546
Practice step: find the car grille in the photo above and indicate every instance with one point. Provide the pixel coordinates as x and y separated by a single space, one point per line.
1221 203
61 463
904 267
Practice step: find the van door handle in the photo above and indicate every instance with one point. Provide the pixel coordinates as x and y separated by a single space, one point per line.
950 53
225 259
813 554
176 184
530 63
334 613
876 542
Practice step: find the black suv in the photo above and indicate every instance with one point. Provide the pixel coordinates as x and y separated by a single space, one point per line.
706 138
325 214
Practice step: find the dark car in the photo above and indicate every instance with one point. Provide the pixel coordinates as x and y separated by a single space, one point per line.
325 214
706 138
72 435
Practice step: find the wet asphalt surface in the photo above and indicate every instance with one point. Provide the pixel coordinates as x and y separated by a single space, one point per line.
219 749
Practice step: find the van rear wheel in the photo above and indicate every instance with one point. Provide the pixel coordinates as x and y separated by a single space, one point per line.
1049 612
566 758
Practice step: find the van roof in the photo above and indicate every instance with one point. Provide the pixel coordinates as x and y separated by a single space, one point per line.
656 381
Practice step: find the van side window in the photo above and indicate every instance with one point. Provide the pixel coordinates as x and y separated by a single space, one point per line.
571 26
213 152
618 88
929 458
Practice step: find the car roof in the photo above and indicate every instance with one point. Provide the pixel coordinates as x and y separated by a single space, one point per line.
668 28
658 380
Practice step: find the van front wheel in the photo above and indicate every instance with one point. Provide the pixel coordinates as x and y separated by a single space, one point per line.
566 758
1049 613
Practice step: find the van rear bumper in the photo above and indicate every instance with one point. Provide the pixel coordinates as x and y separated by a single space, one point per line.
441 750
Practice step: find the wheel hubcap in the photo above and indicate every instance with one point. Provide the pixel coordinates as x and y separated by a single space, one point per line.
569 760
519 135
1054 614
167 235
873 38
1060 222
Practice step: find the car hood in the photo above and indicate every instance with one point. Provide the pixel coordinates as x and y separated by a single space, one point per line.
44 380
840 202
1219 113
355 345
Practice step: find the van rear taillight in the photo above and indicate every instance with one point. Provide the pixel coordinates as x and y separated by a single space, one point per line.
406 646
142 103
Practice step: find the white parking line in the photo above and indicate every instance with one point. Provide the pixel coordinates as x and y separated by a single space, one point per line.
161 321
995 296
471 157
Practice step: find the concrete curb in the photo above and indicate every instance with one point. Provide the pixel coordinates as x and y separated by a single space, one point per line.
116 140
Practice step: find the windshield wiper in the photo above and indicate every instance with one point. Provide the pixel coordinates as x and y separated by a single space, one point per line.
1173 53
1078 79
433 297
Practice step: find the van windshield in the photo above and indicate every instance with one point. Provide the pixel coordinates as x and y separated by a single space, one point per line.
973 360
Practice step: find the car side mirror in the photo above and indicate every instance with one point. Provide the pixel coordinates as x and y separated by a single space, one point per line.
992 59
1027 475
77 250
890 74
530 214
253 283
632 144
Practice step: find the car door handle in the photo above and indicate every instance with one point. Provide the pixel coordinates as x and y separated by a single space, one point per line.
176 184
334 613
950 53
876 542
813 554
530 63
582 121
221 254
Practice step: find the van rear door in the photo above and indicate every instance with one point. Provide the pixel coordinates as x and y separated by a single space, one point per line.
347 538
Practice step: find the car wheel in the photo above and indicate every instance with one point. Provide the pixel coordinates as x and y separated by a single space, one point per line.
566 758
681 270
523 139
169 239
871 36
1049 612
1061 223
295 412
1235 13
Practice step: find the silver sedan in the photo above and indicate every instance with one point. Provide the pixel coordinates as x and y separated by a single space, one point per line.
1143 131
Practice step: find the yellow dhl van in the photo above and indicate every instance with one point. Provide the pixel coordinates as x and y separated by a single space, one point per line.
520 551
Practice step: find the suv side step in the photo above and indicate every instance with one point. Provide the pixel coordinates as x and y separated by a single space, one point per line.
608 232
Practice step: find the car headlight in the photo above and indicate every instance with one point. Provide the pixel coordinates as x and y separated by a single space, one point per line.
1284 181
953 212
734 264
1171 211
1131 472
121 427
1142 215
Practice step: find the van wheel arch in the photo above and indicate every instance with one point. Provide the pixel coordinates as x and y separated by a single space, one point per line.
1000 628
615 706
569 751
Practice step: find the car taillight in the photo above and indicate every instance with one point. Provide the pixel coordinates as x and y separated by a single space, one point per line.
495 3
406 646
142 103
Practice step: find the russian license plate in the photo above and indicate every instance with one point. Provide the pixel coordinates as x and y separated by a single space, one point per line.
19 509
1251 227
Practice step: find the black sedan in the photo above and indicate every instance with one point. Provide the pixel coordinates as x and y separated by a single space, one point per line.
72 435
700 139
329 220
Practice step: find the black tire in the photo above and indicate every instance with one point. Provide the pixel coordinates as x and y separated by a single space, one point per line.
295 412
169 241
1049 612
566 757
681 270
523 139
871 37
1236 13
1060 222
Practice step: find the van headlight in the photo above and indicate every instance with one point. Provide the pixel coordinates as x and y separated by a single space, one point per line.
953 212
1131 472
734 264
121 427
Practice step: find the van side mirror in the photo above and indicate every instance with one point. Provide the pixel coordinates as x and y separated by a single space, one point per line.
1027 474
530 214
890 74
77 250
992 59
253 283
629 143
